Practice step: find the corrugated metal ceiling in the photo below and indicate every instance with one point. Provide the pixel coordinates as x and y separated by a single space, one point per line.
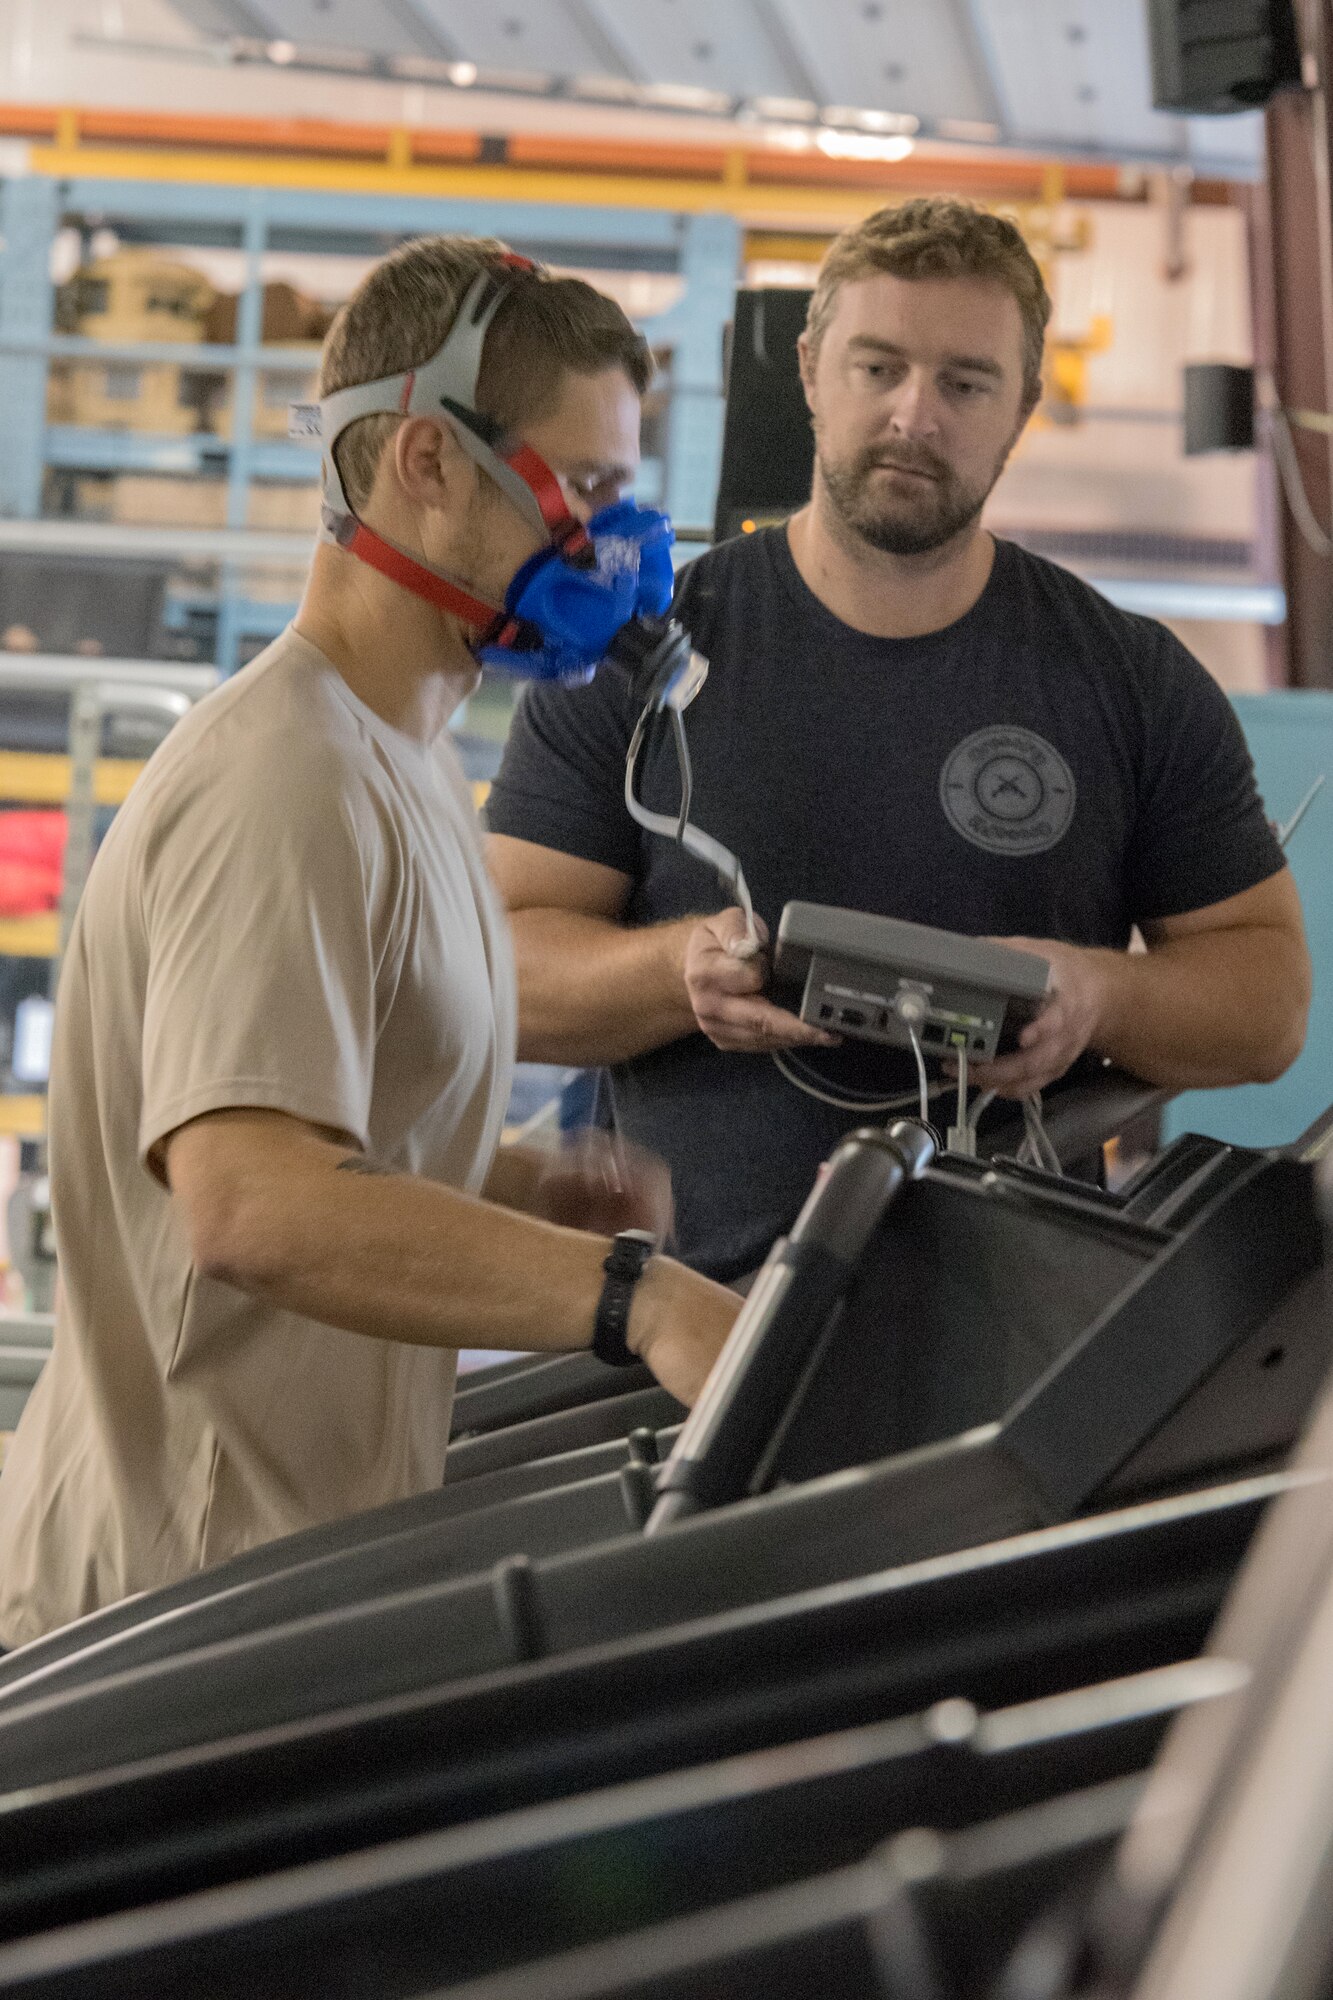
1071 75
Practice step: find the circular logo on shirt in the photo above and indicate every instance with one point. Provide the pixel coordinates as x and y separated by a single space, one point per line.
1008 790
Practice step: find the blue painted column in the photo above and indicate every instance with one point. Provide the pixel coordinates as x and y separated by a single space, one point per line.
244 383
1291 740
711 267
29 215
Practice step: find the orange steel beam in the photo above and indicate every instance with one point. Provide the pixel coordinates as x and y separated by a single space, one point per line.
991 175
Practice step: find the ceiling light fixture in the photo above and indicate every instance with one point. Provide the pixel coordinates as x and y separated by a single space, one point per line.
607 89
790 109
862 120
463 74
281 52
422 69
791 138
688 97
863 146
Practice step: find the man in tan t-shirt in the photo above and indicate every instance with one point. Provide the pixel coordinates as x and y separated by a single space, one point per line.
286 1021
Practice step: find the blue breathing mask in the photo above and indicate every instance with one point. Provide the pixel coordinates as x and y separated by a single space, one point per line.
563 612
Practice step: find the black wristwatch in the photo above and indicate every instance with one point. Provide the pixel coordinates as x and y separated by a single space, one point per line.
624 1268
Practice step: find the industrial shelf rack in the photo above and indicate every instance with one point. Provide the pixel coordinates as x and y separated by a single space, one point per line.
704 249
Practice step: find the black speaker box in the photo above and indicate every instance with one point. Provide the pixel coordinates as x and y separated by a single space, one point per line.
767 446
1219 408
1221 55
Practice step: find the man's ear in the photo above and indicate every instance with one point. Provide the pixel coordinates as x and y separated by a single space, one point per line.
805 356
429 463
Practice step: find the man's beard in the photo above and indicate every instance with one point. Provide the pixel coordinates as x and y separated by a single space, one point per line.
902 522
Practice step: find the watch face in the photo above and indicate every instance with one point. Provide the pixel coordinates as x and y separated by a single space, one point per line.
631 1251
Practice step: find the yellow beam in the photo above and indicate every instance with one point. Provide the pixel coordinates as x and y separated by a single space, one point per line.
28 937
21 1118
36 778
769 247
759 201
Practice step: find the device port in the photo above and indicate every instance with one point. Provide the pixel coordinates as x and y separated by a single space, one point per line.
826 1012
978 1041
852 1017
933 1031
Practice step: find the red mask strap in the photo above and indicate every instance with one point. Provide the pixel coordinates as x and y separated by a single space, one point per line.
536 474
370 548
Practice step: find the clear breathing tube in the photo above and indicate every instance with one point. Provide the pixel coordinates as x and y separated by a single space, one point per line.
677 827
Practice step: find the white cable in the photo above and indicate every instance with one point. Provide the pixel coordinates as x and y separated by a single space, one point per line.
1038 1140
920 1072
961 1136
701 845
686 772
1293 480
1044 1140
980 1108
1027 1151
1284 833
839 1103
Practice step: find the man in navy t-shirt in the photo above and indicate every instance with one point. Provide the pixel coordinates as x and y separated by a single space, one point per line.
903 715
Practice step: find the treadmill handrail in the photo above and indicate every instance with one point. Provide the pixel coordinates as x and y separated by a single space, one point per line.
784 1319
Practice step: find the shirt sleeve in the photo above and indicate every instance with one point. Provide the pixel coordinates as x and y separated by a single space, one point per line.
561 783
262 958
1202 833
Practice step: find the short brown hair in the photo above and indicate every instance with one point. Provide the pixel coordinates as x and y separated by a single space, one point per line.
938 237
401 311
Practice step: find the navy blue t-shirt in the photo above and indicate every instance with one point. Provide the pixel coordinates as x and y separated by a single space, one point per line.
1046 767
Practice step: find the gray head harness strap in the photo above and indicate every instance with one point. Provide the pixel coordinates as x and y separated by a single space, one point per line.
445 387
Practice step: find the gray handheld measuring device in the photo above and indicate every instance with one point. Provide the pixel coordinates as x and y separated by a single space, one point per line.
878 978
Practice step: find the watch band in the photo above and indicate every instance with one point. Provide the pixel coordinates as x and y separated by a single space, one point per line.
624 1267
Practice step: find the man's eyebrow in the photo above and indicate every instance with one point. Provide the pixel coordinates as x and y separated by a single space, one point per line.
976 364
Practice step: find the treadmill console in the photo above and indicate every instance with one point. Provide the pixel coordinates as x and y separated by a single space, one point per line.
876 978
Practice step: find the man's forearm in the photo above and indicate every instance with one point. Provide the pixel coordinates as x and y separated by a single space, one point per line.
593 991
1220 1008
403 1258
284 1213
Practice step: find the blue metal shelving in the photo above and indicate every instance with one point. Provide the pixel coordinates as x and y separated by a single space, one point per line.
704 249
76 447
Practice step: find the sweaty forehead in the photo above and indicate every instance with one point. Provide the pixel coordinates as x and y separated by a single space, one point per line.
932 317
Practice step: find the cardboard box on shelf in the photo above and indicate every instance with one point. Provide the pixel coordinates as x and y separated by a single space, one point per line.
94 497
122 396
162 500
60 393
290 319
284 509
135 295
151 500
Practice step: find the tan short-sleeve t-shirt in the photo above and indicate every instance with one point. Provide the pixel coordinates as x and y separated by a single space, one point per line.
290 911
